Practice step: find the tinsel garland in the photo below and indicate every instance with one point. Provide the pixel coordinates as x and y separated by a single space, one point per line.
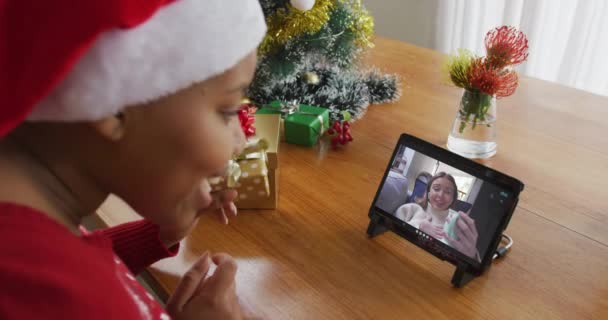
362 26
288 23
337 89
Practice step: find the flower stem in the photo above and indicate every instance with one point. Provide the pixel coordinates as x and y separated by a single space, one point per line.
473 103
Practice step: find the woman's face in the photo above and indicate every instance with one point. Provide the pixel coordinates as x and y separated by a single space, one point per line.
170 146
441 194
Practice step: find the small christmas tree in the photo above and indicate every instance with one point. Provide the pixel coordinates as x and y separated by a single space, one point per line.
309 55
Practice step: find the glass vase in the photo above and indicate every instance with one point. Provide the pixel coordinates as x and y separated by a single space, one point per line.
473 133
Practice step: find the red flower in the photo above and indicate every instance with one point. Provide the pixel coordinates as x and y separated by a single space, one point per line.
508 84
506 46
489 80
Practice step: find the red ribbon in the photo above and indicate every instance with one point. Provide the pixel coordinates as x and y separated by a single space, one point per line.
247 119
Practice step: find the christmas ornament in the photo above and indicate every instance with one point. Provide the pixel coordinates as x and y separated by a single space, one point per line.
342 132
312 78
302 5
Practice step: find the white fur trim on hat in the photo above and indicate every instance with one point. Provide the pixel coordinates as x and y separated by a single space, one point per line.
186 42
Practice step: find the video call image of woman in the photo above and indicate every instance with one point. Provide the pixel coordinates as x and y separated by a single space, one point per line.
431 214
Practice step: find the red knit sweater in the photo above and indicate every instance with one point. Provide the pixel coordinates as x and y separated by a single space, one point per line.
46 272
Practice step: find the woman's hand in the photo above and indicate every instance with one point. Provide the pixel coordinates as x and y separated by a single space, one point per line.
467 235
223 204
432 230
199 296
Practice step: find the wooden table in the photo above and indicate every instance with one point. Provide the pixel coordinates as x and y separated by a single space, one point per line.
311 258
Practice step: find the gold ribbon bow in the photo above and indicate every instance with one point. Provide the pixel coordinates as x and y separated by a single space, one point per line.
255 149
232 174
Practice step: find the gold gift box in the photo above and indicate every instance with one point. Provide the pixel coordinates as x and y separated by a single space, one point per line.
258 184
263 193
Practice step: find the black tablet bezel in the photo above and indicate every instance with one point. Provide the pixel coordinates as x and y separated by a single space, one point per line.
436 247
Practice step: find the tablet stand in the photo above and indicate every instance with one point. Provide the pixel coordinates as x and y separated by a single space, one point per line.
462 276
377 226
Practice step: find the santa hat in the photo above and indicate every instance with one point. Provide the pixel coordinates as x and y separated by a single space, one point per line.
83 60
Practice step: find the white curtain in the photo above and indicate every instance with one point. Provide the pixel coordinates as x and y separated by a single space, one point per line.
568 39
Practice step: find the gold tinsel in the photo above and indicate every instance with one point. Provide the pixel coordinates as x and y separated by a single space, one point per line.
362 26
290 23
285 25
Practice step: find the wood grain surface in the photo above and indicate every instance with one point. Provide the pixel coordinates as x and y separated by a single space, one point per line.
311 258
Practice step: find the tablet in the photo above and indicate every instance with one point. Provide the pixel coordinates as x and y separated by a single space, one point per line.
446 204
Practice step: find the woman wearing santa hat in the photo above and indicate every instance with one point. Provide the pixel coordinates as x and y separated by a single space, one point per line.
136 98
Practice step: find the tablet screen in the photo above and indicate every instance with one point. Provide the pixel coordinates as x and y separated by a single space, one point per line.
457 209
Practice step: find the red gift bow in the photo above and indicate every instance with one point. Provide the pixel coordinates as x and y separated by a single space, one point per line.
343 133
247 118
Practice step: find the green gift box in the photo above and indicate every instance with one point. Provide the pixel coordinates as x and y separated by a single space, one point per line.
303 125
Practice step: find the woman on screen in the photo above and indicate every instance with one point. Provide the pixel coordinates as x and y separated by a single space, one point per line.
433 215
